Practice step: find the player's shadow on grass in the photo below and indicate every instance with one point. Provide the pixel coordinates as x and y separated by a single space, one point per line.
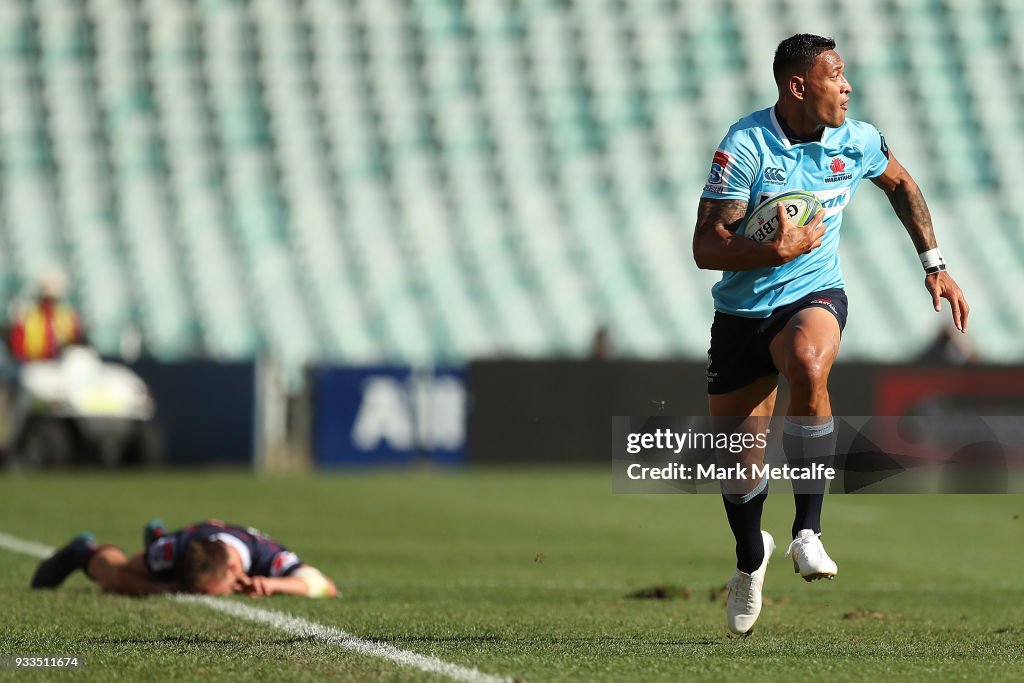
533 640
191 640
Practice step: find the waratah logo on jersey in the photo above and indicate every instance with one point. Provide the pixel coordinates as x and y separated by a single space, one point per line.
839 174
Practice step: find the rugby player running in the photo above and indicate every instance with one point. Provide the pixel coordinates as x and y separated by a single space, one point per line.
780 306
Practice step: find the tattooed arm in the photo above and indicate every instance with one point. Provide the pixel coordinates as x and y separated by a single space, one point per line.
716 246
907 201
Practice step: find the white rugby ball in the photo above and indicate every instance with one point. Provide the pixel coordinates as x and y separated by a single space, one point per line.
763 222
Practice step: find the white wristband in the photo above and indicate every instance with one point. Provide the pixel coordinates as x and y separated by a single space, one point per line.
932 261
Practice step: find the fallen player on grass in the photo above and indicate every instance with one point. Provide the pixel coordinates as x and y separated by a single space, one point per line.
211 557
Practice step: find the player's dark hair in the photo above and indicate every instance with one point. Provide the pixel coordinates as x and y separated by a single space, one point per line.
202 562
797 53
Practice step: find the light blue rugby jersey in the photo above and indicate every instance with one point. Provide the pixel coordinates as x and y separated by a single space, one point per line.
755 161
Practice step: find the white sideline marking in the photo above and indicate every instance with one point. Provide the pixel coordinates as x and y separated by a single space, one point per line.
17 545
328 634
297 626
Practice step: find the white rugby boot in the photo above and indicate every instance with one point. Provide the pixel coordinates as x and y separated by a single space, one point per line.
809 557
744 604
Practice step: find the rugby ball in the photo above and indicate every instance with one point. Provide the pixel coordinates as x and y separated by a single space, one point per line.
763 222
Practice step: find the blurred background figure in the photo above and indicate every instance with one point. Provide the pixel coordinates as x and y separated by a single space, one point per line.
949 347
602 347
47 324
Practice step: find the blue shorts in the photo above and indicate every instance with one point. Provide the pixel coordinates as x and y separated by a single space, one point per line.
740 353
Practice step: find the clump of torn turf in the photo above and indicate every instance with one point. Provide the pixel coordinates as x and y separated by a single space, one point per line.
661 593
862 613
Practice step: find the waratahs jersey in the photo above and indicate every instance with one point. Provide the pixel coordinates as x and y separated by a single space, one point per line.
261 555
756 161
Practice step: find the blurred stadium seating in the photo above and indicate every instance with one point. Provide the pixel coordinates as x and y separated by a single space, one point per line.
434 180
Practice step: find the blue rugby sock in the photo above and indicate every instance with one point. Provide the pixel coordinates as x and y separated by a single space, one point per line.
744 513
806 445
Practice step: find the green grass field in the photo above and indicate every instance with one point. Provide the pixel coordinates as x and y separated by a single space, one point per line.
526 574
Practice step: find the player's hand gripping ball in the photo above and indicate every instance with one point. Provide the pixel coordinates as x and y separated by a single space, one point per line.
762 225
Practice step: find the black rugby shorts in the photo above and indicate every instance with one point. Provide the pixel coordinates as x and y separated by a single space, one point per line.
740 353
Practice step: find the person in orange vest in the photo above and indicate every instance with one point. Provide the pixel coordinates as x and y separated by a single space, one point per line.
48 325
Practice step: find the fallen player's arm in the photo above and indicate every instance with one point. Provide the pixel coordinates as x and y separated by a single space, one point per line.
306 581
717 245
908 202
134 578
